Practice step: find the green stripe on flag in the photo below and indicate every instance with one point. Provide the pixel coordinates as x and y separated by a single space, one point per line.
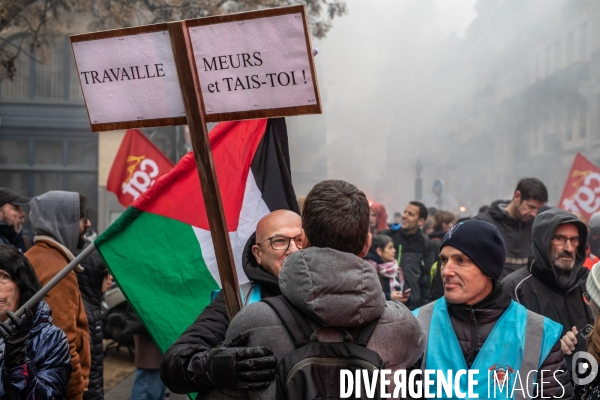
157 262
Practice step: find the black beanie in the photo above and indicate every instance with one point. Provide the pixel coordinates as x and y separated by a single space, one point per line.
482 243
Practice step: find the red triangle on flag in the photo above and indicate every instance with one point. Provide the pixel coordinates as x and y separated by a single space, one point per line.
178 195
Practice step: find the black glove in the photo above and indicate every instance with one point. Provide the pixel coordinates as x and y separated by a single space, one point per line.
229 366
16 337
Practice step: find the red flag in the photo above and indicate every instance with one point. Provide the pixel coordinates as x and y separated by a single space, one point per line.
582 190
138 164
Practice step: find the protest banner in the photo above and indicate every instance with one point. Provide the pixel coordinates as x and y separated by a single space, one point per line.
128 81
128 78
137 165
582 189
255 64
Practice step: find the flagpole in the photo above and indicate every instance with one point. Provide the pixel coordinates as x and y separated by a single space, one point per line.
54 281
196 120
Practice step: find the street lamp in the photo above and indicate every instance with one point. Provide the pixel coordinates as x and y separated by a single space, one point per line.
418 181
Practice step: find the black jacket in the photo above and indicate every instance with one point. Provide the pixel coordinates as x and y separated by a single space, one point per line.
416 260
540 289
372 256
90 285
47 374
436 284
209 329
473 325
516 235
9 236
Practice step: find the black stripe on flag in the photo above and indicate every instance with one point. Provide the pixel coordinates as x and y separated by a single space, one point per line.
271 168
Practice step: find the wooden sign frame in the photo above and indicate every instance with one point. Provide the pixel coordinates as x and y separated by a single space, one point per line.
272 112
196 119
219 117
113 126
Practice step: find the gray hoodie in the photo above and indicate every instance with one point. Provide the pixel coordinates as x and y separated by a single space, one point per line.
339 290
56 214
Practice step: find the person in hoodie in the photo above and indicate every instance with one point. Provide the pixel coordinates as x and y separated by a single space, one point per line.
185 367
330 282
34 353
477 326
514 219
59 221
553 285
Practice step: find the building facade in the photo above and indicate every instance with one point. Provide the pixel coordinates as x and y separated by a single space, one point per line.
45 138
518 96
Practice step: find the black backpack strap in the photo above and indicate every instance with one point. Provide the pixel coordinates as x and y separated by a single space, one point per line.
365 333
294 321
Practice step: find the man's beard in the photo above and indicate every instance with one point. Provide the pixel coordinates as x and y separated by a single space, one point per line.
81 241
563 265
523 216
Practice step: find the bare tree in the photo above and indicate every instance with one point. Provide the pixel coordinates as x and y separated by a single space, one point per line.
26 26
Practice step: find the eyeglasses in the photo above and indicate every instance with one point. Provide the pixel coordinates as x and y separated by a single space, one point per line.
283 242
562 240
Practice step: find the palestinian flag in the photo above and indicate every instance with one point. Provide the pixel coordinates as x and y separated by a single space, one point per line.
160 250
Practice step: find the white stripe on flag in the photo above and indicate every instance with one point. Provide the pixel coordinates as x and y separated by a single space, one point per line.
253 209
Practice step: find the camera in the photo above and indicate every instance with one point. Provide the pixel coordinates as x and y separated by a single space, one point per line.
585 331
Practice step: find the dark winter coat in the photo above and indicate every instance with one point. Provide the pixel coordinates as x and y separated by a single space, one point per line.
47 374
436 289
591 391
55 219
437 283
473 325
9 236
90 285
540 289
516 235
209 329
416 260
373 257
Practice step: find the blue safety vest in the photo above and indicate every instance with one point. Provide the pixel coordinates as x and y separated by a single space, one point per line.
520 341
254 296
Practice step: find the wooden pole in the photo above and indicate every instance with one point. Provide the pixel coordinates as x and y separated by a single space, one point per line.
192 99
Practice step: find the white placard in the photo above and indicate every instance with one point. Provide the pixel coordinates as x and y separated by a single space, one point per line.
255 64
129 78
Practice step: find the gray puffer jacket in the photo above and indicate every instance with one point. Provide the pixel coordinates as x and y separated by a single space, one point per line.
338 290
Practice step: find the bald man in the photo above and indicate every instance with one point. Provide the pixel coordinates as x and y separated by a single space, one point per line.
192 363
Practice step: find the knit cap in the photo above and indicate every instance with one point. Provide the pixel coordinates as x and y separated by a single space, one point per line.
592 284
482 243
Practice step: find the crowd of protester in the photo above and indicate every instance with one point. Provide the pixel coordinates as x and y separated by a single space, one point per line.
340 271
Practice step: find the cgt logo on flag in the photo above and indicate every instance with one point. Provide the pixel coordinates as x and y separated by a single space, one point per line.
136 167
582 190
139 181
